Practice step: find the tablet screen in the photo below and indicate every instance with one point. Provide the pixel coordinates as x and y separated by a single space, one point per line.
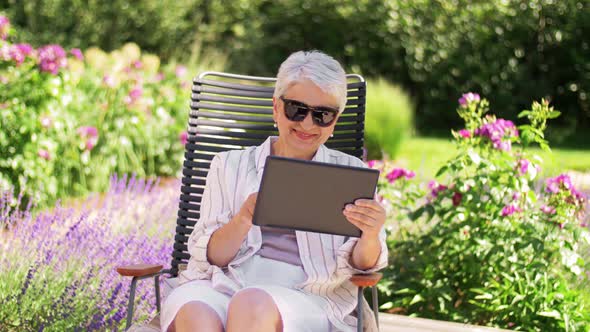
310 196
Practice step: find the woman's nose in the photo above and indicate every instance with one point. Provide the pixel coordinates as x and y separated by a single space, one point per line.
307 123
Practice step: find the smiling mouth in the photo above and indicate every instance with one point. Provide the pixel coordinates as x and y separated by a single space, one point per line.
303 135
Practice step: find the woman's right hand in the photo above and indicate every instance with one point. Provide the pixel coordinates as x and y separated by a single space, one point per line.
244 216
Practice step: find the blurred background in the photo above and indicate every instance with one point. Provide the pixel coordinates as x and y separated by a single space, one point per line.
93 109
419 57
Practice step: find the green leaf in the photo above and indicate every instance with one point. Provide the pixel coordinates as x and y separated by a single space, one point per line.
554 114
553 314
524 113
442 171
417 298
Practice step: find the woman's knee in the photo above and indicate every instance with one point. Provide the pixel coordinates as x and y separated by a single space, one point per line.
196 315
255 306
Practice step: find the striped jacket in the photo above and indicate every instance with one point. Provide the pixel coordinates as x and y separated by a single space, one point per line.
234 175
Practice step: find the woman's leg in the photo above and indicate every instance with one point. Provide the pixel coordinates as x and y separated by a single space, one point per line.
196 316
253 310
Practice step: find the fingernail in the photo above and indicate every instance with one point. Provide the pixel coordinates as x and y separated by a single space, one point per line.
349 206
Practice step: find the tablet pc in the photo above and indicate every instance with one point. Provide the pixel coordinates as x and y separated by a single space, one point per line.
310 196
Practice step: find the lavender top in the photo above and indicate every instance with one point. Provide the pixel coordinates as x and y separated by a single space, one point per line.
280 244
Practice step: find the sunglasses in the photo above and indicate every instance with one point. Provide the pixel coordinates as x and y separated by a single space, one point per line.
322 116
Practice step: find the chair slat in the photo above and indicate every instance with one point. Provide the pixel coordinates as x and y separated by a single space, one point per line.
229 114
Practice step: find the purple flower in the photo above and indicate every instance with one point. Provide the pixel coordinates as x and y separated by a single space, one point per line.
137 64
499 133
523 166
554 185
52 58
510 210
547 209
180 71
465 133
183 137
77 53
468 98
397 173
44 154
4 27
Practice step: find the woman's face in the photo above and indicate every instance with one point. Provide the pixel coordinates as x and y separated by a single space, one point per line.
302 139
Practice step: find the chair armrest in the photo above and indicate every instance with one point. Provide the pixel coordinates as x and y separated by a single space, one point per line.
138 270
366 280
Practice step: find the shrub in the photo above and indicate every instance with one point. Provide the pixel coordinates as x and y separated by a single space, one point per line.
55 263
69 120
388 120
487 245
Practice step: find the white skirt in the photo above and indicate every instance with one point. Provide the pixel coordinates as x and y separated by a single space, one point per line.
300 312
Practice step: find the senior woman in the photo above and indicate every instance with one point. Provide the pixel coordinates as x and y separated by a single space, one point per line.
242 277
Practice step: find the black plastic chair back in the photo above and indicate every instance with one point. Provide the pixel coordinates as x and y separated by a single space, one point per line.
230 112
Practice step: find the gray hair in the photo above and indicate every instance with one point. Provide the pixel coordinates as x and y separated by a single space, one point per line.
318 67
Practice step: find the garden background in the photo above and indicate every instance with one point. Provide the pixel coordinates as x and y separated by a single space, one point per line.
93 112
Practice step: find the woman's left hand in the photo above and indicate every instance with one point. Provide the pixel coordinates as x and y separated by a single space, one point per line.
366 214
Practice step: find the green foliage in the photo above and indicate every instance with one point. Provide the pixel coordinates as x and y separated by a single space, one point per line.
388 121
486 247
165 27
65 134
511 51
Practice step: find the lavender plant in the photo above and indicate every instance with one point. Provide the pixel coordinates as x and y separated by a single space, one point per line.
58 267
496 246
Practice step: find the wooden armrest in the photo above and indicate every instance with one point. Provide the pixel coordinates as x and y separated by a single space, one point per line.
138 270
366 280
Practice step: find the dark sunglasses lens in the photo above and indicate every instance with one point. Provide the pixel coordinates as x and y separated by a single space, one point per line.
324 118
295 112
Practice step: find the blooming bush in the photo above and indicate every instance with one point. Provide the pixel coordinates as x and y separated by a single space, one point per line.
55 264
70 119
491 244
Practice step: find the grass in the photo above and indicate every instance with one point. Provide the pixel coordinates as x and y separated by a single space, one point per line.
425 155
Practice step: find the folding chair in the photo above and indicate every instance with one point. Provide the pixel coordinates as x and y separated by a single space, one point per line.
229 111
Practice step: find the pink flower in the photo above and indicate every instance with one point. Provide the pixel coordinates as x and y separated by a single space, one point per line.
87 131
436 188
44 154
4 27
510 210
523 166
469 98
134 95
159 77
180 71
52 58
183 137
109 81
90 134
547 209
46 122
137 64
18 53
516 196
397 173
77 53
372 163
465 133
